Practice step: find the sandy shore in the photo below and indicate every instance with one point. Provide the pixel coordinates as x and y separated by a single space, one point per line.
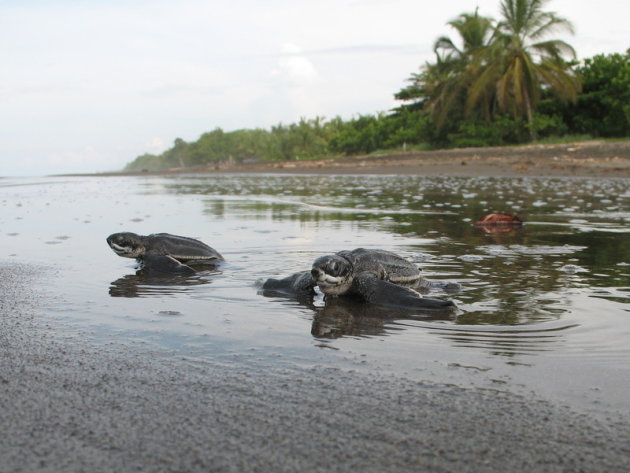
579 159
70 404
583 159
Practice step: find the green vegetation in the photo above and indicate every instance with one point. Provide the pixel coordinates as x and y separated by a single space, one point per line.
498 83
489 87
603 107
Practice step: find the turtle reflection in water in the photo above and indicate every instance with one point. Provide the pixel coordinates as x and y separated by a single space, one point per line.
147 283
345 316
375 276
164 252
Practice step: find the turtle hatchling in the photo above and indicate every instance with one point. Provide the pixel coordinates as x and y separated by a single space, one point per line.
376 276
163 252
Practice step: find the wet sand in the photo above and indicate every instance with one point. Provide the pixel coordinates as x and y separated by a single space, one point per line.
579 159
70 404
583 159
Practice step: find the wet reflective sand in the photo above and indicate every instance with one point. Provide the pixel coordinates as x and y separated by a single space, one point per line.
545 308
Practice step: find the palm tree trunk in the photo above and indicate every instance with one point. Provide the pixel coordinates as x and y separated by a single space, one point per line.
530 117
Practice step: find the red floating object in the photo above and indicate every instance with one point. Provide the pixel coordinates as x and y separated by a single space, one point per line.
499 219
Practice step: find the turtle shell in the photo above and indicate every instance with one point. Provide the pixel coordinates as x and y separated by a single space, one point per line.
181 248
388 265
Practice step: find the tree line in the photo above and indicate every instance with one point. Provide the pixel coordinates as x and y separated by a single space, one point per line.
497 82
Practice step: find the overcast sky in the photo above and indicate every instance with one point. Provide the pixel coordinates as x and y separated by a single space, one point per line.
89 85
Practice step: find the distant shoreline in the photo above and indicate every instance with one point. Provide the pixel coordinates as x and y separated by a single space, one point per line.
581 159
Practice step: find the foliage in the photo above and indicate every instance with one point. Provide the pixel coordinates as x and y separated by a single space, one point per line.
504 130
521 78
499 82
371 132
603 108
549 125
501 67
306 139
441 87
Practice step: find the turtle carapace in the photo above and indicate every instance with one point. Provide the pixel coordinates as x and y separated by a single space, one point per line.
163 252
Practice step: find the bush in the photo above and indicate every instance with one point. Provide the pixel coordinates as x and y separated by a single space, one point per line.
603 107
476 133
549 125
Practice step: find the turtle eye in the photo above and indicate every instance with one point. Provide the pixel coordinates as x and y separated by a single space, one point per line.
334 266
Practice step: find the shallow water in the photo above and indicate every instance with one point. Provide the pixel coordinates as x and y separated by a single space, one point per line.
544 309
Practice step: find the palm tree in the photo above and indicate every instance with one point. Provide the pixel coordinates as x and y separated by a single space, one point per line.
442 86
518 64
474 31
451 73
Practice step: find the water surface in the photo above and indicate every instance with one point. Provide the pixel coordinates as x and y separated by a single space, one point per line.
544 309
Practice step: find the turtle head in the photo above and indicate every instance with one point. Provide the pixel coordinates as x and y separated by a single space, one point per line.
126 244
333 274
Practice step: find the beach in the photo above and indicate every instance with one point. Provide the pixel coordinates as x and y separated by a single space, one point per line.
74 402
71 404
580 159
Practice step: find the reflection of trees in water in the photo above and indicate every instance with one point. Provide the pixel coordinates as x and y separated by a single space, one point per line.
602 257
525 274
520 273
509 288
513 288
465 196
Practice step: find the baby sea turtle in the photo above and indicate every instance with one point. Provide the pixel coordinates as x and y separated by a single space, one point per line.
376 276
163 252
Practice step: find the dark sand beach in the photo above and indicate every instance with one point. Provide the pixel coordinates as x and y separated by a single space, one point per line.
71 404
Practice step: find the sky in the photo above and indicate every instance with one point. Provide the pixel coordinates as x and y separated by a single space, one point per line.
89 85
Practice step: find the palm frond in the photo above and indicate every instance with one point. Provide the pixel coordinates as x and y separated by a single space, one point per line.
554 48
550 23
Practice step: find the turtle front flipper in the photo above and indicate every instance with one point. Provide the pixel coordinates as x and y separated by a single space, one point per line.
377 291
165 264
296 284
424 286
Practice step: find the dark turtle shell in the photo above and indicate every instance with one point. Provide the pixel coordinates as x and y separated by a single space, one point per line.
388 265
337 274
183 249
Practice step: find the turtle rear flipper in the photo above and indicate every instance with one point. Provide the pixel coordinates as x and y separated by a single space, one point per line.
296 284
377 291
165 264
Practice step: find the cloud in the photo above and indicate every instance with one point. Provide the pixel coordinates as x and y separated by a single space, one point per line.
295 67
156 145
179 89
355 49
296 82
